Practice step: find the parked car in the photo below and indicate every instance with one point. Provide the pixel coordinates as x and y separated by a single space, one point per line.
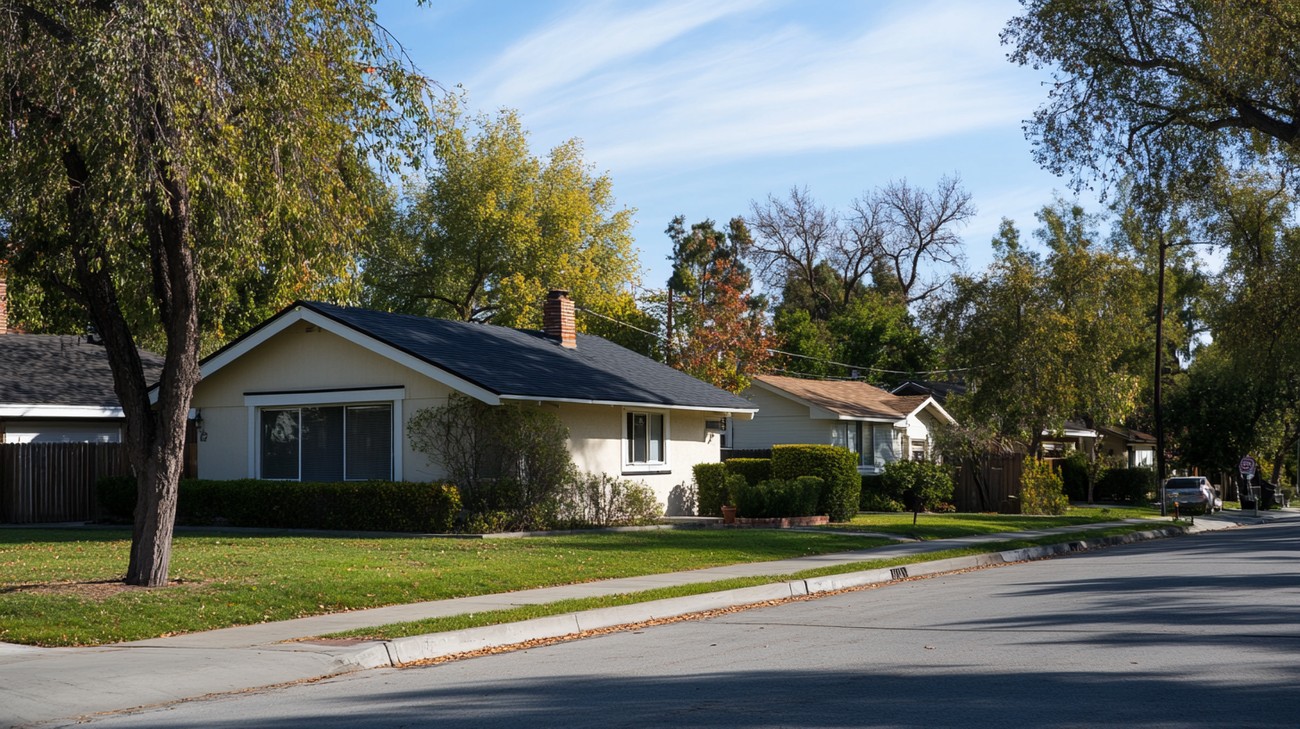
1192 494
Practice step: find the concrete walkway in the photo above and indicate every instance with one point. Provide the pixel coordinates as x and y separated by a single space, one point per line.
57 686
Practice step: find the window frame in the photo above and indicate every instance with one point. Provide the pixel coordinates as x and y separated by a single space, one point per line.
631 466
257 402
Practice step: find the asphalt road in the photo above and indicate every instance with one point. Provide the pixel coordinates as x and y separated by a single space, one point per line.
1200 631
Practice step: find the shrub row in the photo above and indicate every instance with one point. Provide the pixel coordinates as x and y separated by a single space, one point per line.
397 506
777 497
1131 485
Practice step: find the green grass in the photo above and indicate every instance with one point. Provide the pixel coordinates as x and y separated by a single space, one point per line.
528 612
59 587
946 526
225 580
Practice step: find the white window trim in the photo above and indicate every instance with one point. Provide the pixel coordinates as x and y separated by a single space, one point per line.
652 466
392 396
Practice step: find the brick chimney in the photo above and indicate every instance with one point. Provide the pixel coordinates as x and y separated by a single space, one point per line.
557 318
4 307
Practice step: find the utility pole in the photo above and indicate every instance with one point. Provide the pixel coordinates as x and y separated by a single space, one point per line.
1160 345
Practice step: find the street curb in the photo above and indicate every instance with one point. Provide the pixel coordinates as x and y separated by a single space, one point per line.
401 651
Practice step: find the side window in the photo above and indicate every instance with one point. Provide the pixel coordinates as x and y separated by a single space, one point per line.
644 440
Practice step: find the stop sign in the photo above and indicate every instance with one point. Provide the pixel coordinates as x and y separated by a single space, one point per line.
1247 466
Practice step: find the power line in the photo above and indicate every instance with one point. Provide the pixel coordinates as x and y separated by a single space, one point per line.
662 338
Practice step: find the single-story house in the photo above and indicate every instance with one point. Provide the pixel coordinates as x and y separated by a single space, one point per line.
59 389
877 425
325 392
1075 435
1135 448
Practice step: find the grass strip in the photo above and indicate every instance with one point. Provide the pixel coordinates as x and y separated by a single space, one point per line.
541 610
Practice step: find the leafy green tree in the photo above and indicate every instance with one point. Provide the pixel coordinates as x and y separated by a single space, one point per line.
1256 331
1045 335
496 227
1160 85
152 147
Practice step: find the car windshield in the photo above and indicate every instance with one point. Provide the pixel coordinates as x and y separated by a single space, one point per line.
1183 483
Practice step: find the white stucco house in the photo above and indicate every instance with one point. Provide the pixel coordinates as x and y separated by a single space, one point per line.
323 392
59 389
877 425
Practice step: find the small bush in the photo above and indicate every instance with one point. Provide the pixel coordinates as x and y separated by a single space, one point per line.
711 488
1127 485
930 483
397 506
837 467
776 498
879 502
597 499
1074 475
755 470
1041 489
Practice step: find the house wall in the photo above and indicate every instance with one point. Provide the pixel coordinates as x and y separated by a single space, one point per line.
302 357
596 441
779 420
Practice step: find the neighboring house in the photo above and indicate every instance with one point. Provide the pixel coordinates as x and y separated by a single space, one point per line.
1137 449
1076 435
877 425
934 388
324 392
59 389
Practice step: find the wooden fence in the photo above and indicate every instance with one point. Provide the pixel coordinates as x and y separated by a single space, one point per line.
54 482
995 486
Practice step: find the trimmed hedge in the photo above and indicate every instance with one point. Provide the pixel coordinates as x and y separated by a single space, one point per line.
779 498
710 488
837 467
755 470
1130 485
1074 475
397 506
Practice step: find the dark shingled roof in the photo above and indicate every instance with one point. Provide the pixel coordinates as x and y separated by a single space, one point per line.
526 363
53 369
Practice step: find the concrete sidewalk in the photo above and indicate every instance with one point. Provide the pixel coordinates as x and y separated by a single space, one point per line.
56 686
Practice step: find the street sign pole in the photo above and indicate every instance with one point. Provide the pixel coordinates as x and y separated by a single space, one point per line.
1246 467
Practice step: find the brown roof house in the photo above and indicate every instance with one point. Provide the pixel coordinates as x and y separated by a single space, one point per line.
874 423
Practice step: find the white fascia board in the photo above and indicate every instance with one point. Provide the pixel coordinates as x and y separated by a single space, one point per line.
299 313
59 411
747 412
930 402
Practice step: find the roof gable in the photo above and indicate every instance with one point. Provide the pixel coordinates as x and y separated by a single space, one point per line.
853 399
494 363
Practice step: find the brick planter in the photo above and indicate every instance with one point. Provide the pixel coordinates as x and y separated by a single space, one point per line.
783 522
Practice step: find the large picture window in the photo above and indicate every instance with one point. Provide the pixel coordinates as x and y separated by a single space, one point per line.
327 443
645 439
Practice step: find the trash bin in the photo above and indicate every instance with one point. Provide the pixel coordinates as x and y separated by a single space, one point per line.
1267 495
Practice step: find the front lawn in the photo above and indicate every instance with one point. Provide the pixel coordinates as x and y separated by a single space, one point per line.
59 587
947 526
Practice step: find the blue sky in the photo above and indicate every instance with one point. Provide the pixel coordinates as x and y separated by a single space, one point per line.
700 108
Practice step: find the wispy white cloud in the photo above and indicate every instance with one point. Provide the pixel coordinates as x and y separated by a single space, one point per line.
677 83
597 36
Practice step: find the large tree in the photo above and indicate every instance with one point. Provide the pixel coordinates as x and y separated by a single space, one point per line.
495 226
1161 86
1045 335
151 147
